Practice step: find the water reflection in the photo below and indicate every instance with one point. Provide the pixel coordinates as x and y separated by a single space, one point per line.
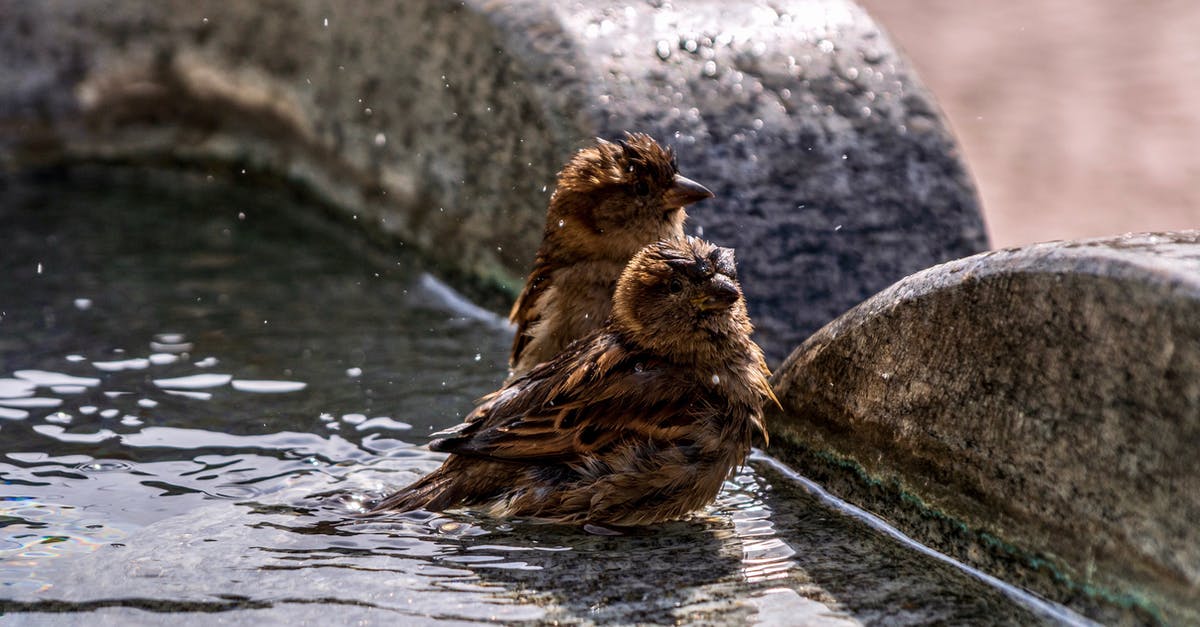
198 394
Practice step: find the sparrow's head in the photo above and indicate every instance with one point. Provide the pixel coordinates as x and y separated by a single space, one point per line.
681 296
615 197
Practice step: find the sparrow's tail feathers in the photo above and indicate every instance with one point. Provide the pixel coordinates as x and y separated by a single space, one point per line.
433 492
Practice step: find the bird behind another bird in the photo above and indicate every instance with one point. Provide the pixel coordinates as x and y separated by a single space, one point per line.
610 200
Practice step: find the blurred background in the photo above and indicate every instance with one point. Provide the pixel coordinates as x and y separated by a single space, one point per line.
1078 118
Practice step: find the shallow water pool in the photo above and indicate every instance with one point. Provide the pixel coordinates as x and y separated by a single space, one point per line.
201 384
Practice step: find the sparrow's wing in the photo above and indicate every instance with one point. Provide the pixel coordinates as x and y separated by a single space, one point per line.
571 409
525 311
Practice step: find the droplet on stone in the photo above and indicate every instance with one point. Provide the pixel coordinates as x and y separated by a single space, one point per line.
663 49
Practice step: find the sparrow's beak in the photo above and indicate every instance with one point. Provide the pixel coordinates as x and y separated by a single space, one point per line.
684 191
720 293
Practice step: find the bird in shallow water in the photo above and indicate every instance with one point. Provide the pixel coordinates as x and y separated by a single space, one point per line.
639 422
611 199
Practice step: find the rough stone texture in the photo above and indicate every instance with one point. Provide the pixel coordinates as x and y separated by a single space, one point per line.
440 124
1035 411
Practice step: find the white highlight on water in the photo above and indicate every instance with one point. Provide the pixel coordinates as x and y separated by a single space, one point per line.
354 419
199 396
162 359
383 422
138 363
12 388
68 389
13 414
60 434
33 402
43 378
268 387
195 381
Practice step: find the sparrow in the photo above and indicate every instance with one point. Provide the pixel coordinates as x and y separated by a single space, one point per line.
640 421
610 200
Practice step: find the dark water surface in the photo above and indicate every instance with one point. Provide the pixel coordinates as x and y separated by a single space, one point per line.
200 385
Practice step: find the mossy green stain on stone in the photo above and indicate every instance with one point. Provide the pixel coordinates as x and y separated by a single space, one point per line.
1063 373
1003 551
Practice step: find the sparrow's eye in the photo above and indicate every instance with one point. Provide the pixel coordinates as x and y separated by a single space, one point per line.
642 188
676 286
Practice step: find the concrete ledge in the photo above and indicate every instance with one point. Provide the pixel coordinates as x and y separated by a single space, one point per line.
440 124
1034 411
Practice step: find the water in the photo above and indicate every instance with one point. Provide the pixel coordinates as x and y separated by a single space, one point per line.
201 385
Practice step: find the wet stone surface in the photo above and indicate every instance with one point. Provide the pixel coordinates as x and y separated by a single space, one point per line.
152 482
432 122
1031 410
834 173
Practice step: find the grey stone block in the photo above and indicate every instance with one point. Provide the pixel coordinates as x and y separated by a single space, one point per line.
440 124
1034 411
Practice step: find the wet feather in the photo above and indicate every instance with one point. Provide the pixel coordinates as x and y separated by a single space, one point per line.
641 421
